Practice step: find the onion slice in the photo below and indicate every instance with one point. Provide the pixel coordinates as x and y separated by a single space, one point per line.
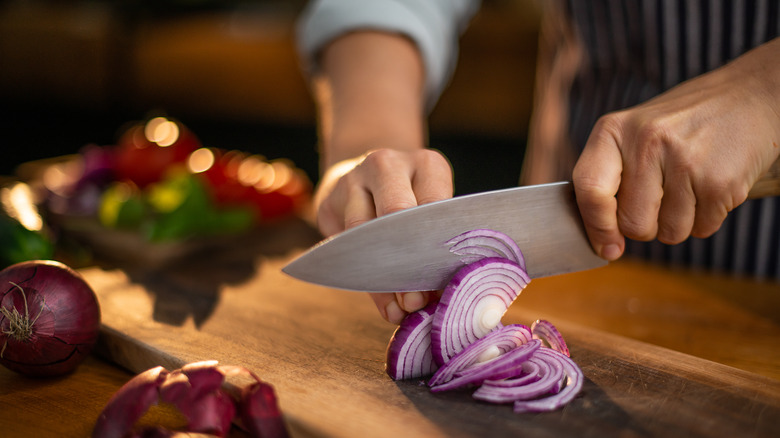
504 366
409 350
473 303
490 346
510 390
477 244
549 334
572 387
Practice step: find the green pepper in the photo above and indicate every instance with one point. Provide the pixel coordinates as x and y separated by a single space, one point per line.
182 208
121 206
19 244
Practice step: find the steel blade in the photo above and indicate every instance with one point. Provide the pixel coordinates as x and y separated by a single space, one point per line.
406 251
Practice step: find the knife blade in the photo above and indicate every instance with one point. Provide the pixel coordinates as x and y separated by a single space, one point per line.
405 251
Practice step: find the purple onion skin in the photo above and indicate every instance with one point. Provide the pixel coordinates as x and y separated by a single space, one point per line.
260 413
129 404
66 318
198 391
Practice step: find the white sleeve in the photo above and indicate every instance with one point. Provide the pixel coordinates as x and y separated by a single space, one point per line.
433 25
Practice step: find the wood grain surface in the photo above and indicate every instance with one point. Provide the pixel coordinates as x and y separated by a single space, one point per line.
713 368
323 350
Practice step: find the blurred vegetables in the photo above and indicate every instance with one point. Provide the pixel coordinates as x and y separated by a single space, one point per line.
18 243
160 182
22 233
49 318
202 393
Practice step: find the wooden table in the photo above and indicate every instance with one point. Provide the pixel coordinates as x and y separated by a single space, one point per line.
735 322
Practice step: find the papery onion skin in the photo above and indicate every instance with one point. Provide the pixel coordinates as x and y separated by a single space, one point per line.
260 413
409 350
455 324
129 404
66 316
200 392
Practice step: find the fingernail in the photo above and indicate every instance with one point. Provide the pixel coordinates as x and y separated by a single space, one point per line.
413 301
611 252
394 312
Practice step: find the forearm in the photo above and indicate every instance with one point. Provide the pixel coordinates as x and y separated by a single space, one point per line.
369 94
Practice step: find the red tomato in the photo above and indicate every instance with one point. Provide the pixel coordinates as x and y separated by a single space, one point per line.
222 179
145 154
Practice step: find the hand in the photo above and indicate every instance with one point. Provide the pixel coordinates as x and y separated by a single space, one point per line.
378 183
674 166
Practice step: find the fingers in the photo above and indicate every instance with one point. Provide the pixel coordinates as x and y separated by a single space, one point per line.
382 182
432 181
677 212
597 177
395 306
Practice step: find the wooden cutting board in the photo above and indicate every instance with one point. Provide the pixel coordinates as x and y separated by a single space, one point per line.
323 350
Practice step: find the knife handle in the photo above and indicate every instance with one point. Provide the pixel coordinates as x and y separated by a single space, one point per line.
767 185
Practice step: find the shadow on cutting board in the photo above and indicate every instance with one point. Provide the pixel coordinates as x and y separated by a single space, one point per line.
190 285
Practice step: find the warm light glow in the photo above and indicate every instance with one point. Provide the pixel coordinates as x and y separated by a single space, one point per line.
18 203
250 171
200 160
283 174
266 177
161 131
60 177
293 187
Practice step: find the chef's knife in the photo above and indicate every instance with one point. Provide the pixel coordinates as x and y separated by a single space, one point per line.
407 251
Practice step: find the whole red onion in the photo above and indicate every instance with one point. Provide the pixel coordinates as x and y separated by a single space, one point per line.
49 318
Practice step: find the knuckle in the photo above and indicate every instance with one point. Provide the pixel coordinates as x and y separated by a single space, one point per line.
636 229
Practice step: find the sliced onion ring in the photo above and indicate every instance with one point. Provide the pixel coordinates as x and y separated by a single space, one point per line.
473 303
477 244
488 347
504 366
510 390
574 380
409 350
549 334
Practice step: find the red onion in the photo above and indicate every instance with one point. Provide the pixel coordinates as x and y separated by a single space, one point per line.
462 334
49 318
409 350
473 303
200 392
477 244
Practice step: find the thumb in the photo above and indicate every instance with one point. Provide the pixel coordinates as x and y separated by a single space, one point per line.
596 179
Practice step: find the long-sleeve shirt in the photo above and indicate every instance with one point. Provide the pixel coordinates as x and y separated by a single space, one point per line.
596 56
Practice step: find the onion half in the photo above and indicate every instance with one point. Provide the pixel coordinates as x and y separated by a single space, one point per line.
473 303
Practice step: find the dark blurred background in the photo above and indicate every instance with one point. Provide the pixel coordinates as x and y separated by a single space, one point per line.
74 72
